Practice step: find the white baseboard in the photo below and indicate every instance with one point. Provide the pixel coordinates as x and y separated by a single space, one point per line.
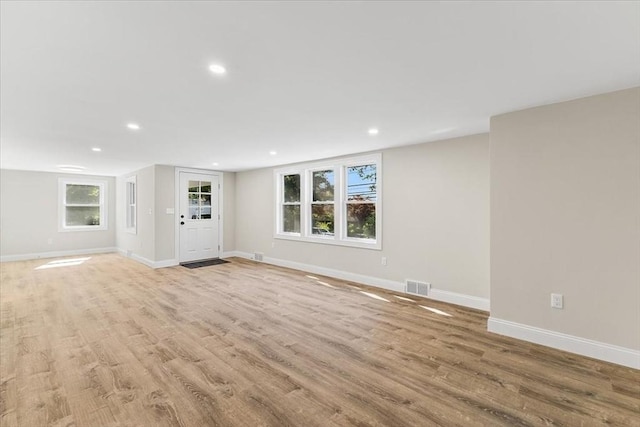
460 299
148 262
391 285
585 347
230 254
55 254
165 263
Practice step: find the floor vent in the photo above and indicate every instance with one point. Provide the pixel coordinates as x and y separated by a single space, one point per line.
418 288
258 256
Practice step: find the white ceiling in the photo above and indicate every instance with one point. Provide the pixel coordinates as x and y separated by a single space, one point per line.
306 79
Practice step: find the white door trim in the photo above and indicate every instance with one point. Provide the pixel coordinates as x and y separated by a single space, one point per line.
176 207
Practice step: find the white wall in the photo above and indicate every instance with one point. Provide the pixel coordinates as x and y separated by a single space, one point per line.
435 224
142 244
29 217
565 218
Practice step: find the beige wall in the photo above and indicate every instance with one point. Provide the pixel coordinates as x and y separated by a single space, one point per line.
229 211
565 217
155 240
29 215
435 224
164 223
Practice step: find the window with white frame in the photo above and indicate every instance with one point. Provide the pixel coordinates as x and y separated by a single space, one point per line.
82 204
130 204
335 202
290 208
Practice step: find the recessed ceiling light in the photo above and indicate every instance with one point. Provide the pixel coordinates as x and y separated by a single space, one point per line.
215 163
71 168
373 131
133 126
273 152
96 149
217 69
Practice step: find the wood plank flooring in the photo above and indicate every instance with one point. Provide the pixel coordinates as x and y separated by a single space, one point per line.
110 342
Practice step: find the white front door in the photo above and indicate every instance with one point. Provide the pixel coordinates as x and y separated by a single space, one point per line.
198 217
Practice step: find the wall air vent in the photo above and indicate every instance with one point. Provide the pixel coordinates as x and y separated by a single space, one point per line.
417 288
258 256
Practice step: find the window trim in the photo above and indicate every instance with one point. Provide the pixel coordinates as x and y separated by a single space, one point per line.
340 201
62 204
132 180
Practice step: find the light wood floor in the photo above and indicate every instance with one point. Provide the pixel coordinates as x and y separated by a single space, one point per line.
111 342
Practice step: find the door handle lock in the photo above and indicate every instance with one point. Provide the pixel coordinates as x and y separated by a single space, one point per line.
181 216
181 222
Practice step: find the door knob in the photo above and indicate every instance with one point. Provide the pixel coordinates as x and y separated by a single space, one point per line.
181 216
181 222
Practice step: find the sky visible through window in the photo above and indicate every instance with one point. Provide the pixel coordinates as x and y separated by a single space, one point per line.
361 182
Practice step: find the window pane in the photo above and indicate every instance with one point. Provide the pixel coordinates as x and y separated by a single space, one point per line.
322 219
361 182
193 199
291 188
83 194
291 218
193 212
323 186
82 215
361 220
194 186
205 199
205 186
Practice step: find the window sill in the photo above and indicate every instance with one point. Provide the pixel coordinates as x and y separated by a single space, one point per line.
81 228
373 245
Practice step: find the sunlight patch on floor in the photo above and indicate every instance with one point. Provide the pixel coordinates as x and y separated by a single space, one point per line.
62 263
325 284
374 296
435 310
404 298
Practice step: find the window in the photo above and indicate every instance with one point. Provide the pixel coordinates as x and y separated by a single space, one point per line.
291 203
130 204
361 201
335 202
322 203
82 205
200 199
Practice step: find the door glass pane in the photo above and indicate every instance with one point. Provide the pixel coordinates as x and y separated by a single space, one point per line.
82 215
205 186
83 194
194 186
291 218
322 220
205 200
205 213
323 186
193 199
361 182
361 220
291 188
193 212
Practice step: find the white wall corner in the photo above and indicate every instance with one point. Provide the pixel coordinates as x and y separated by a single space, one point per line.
148 262
56 254
585 347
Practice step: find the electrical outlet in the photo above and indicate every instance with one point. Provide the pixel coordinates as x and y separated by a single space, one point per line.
384 260
557 301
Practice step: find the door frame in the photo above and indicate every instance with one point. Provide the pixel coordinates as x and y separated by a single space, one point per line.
176 208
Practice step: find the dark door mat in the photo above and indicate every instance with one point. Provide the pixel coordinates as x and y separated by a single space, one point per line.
204 263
